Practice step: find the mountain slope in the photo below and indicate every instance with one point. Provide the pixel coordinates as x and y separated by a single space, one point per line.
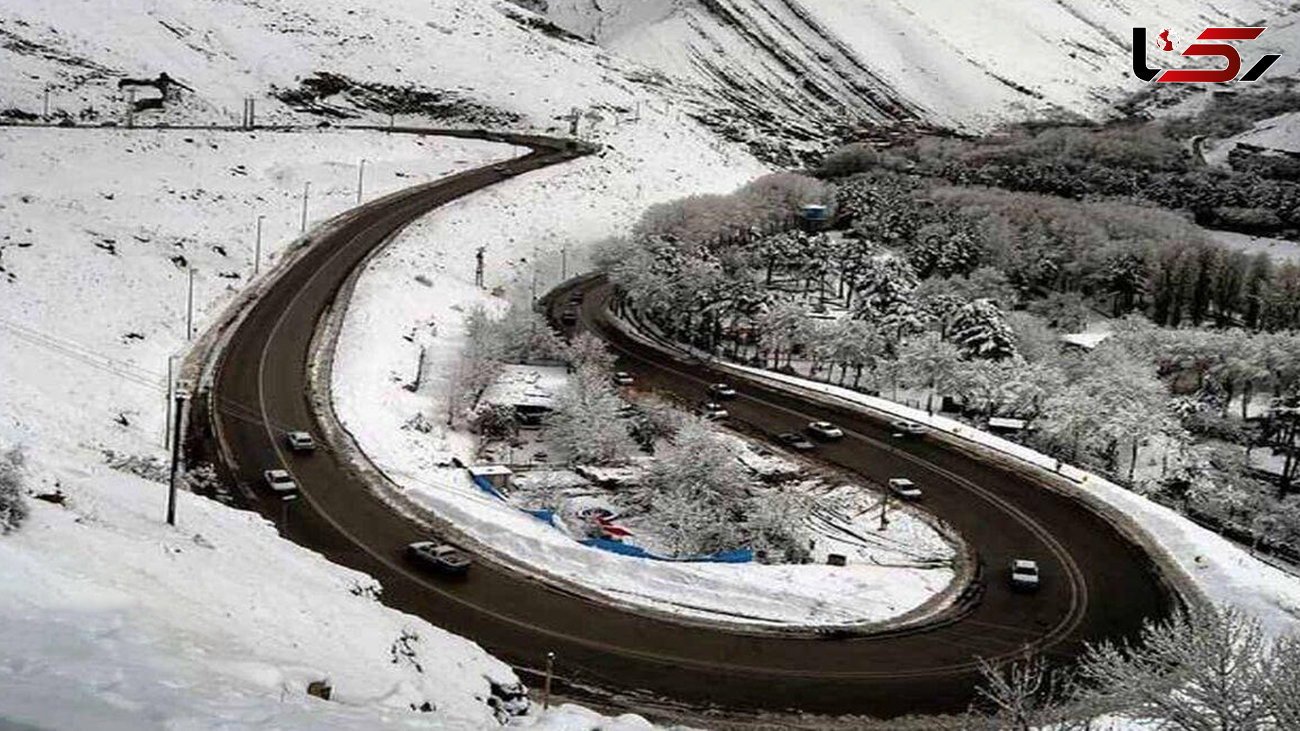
965 64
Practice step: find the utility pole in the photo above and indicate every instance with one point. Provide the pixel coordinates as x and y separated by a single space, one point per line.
550 669
884 504
189 308
361 175
306 192
178 417
45 114
478 268
564 262
171 393
257 248
534 286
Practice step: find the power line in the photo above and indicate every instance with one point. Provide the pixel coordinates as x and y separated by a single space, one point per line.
122 369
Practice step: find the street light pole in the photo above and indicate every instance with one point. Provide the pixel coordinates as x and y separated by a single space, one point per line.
564 262
171 392
189 308
176 455
534 284
550 668
361 175
257 248
306 192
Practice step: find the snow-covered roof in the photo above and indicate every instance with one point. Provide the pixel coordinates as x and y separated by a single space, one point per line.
527 385
489 470
1002 422
1087 341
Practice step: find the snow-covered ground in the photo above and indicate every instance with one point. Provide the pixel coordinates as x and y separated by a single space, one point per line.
533 228
108 618
102 227
1279 250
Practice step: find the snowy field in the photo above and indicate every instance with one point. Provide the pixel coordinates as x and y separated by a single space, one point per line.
103 227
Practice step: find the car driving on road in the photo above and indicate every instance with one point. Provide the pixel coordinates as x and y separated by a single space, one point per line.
713 411
825 430
623 378
1024 575
907 428
722 391
795 441
300 441
280 481
440 557
904 489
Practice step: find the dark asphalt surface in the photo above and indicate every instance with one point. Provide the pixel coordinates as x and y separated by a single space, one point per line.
1097 585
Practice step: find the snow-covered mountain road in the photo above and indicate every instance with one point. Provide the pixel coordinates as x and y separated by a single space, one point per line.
1098 585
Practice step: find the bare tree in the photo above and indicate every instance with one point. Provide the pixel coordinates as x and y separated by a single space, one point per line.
1025 694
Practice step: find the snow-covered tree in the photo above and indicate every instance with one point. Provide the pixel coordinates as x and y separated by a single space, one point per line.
586 422
928 362
777 524
885 296
1204 669
780 329
13 498
588 353
981 331
942 248
1063 311
782 195
987 386
697 490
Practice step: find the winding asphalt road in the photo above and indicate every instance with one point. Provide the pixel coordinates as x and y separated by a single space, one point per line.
1097 584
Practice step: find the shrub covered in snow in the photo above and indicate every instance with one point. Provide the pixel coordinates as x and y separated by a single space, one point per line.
13 500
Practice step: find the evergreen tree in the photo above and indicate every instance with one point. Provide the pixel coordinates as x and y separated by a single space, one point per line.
981 331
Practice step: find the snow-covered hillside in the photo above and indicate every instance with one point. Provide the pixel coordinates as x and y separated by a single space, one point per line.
100 228
954 63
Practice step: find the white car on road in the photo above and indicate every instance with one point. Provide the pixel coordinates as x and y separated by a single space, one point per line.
825 430
904 489
1024 574
300 441
280 481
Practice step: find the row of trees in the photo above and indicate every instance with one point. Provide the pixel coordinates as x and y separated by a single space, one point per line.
1129 257
1131 162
